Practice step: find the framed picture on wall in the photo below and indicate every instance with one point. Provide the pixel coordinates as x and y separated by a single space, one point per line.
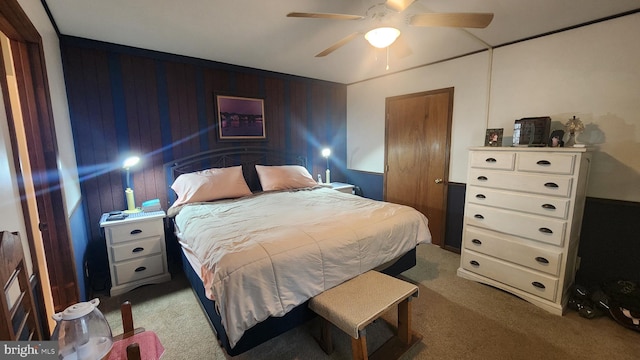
240 118
493 137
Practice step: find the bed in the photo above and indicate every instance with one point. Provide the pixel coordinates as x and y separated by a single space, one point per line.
263 238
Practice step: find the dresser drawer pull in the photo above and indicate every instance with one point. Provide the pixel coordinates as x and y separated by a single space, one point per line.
548 207
491 160
481 196
474 263
482 178
545 230
478 216
538 285
141 268
138 249
551 185
544 162
136 231
476 241
542 260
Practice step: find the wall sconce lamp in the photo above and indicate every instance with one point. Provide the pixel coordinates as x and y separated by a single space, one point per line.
326 152
131 203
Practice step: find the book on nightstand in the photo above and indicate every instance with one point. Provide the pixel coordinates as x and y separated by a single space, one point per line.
151 205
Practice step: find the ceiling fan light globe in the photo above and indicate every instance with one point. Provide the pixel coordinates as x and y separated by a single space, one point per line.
382 37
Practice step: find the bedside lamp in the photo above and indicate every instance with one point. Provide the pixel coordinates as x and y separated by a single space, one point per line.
326 152
573 126
131 203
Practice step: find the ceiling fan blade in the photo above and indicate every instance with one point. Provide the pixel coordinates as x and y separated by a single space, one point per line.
399 5
337 45
465 20
325 16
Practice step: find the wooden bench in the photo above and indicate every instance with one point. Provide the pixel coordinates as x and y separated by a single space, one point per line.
353 305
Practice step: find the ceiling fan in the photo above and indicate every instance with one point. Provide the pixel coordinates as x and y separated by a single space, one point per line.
382 10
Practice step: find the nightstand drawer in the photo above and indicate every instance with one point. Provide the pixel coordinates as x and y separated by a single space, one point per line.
135 249
134 230
138 269
540 285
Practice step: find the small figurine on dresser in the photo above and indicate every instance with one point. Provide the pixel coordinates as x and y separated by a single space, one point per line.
556 139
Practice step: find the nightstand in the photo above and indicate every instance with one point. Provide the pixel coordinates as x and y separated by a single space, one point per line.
343 187
136 250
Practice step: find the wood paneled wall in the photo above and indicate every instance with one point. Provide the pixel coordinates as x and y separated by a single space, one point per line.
126 100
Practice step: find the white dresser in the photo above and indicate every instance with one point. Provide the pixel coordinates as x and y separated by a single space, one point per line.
136 250
522 220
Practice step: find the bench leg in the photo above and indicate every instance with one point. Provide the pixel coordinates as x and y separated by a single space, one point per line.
325 341
404 321
359 347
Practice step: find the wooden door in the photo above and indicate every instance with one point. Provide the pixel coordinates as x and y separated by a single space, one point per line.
32 86
417 141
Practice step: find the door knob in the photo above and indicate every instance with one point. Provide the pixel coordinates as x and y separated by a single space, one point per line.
438 181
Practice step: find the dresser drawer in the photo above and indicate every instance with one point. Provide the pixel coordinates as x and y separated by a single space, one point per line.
534 204
139 268
546 163
515 250
538 184
530 281
135 249
134 230
547 230
492 160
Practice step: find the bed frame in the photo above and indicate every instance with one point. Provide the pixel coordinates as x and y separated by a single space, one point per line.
248 157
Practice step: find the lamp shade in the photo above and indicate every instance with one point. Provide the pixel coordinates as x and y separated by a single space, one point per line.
382 37
326 152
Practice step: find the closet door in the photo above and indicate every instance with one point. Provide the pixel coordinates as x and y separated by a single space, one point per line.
417 141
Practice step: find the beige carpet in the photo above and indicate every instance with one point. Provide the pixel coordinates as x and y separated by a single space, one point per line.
458 318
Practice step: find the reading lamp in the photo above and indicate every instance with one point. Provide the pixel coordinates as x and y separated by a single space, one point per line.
326 152
131 203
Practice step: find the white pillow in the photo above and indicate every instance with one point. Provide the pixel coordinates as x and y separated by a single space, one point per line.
284 177
210 184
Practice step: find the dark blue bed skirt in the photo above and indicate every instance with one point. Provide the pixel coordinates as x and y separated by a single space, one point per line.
273 326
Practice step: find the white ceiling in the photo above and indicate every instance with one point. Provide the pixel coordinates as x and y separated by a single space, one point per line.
258 34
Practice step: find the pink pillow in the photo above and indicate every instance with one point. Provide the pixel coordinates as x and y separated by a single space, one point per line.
210 184
284 177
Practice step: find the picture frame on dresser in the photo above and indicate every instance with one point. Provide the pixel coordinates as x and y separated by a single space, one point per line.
240 118
493 137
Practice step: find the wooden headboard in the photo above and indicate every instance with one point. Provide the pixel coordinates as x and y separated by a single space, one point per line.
248 157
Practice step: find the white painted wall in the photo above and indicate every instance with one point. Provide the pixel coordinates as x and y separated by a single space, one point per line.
592 72
366 106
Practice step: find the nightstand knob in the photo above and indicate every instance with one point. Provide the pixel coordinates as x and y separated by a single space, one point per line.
141 268
138 249
136 231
